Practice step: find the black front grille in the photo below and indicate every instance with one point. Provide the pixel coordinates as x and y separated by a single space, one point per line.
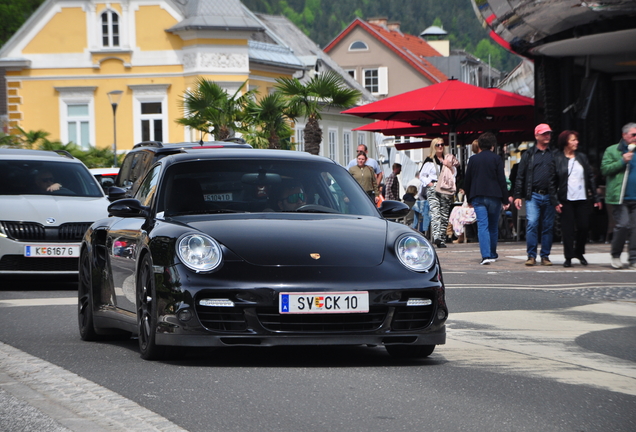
73 231
222 318
22 263
411 317
321 323
33 231
24 230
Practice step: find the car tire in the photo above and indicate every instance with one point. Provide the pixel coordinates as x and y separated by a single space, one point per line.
410 351
147 312
85 298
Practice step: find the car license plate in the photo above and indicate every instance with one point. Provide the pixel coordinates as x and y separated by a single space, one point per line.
323 303
51 251
218 197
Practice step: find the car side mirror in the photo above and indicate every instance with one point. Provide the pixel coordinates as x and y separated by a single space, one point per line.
116 193
393 209
127 208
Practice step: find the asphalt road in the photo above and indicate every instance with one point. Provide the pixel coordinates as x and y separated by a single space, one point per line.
529 349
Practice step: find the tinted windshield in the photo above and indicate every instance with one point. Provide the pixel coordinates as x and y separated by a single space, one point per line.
29 177
226 186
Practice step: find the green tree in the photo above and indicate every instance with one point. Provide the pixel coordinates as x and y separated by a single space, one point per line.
266 123
307 100
210 108
13 13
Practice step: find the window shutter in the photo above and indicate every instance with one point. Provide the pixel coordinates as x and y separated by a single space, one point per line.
383 80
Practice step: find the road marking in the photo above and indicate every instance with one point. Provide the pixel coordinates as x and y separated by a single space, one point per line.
62 301
541 344
73 401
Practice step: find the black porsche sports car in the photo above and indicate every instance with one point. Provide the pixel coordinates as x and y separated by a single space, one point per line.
258 248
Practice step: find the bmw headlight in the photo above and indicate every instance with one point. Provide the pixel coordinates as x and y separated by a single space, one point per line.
199 252
415 253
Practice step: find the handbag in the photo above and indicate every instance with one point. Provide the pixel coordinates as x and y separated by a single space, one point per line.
446 179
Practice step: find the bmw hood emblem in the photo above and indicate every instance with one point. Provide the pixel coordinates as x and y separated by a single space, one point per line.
50 221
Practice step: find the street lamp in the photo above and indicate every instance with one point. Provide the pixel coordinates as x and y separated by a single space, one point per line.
114 97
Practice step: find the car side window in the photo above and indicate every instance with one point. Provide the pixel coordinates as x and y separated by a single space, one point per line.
148 188
123 179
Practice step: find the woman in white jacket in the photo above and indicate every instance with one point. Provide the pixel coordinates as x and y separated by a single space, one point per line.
440 204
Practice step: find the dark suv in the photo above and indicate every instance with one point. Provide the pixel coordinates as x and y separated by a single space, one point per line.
144 155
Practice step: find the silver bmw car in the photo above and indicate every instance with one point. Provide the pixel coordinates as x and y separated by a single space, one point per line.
47 201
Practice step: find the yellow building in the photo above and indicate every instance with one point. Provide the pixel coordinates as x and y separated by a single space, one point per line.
66 59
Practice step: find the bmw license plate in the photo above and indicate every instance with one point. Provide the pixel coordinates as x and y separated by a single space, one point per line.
323 303
51 251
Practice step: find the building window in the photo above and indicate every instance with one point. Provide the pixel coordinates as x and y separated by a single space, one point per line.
150 112
346 146
358 46
110 29
376 80
362 138
333 144
77 114
300 138
151 121
78 125
371 80
351 72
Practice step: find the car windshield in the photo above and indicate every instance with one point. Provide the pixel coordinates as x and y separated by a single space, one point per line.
36 177
229 186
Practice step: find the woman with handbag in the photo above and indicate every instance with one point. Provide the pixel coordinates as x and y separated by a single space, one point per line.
365 176
440 198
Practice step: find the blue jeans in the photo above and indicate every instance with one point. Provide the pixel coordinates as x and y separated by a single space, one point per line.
539 210
487 211
422 218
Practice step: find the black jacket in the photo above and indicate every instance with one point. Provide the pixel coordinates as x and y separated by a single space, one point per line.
560 181
485 177
523 183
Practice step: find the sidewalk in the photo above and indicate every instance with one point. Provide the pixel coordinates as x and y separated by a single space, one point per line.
513 255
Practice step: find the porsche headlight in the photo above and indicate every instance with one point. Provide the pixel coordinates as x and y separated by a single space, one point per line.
199 252
415 253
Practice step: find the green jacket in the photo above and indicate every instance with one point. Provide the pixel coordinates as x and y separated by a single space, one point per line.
613 168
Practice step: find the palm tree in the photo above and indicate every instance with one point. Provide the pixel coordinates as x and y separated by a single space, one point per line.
307 100
210 107
267 125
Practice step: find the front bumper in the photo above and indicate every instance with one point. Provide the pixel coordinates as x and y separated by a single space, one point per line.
255 320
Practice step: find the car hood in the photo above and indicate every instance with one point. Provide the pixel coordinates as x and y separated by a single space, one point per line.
287 241
39 208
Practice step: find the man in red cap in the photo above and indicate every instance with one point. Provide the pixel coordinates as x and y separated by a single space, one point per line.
534 179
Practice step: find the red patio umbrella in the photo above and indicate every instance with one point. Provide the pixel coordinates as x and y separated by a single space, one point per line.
397 128
451 104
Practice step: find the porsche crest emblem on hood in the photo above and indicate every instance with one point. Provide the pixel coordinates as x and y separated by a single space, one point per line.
315 256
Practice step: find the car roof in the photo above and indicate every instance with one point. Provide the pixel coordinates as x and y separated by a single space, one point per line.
160 147
60 155
231 153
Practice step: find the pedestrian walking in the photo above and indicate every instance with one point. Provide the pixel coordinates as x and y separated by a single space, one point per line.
619 168
377 169
439 203
392 184
365 176
487 192
575 188
534 179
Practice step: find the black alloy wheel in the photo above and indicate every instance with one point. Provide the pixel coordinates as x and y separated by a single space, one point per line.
410 351
85 298
147 312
